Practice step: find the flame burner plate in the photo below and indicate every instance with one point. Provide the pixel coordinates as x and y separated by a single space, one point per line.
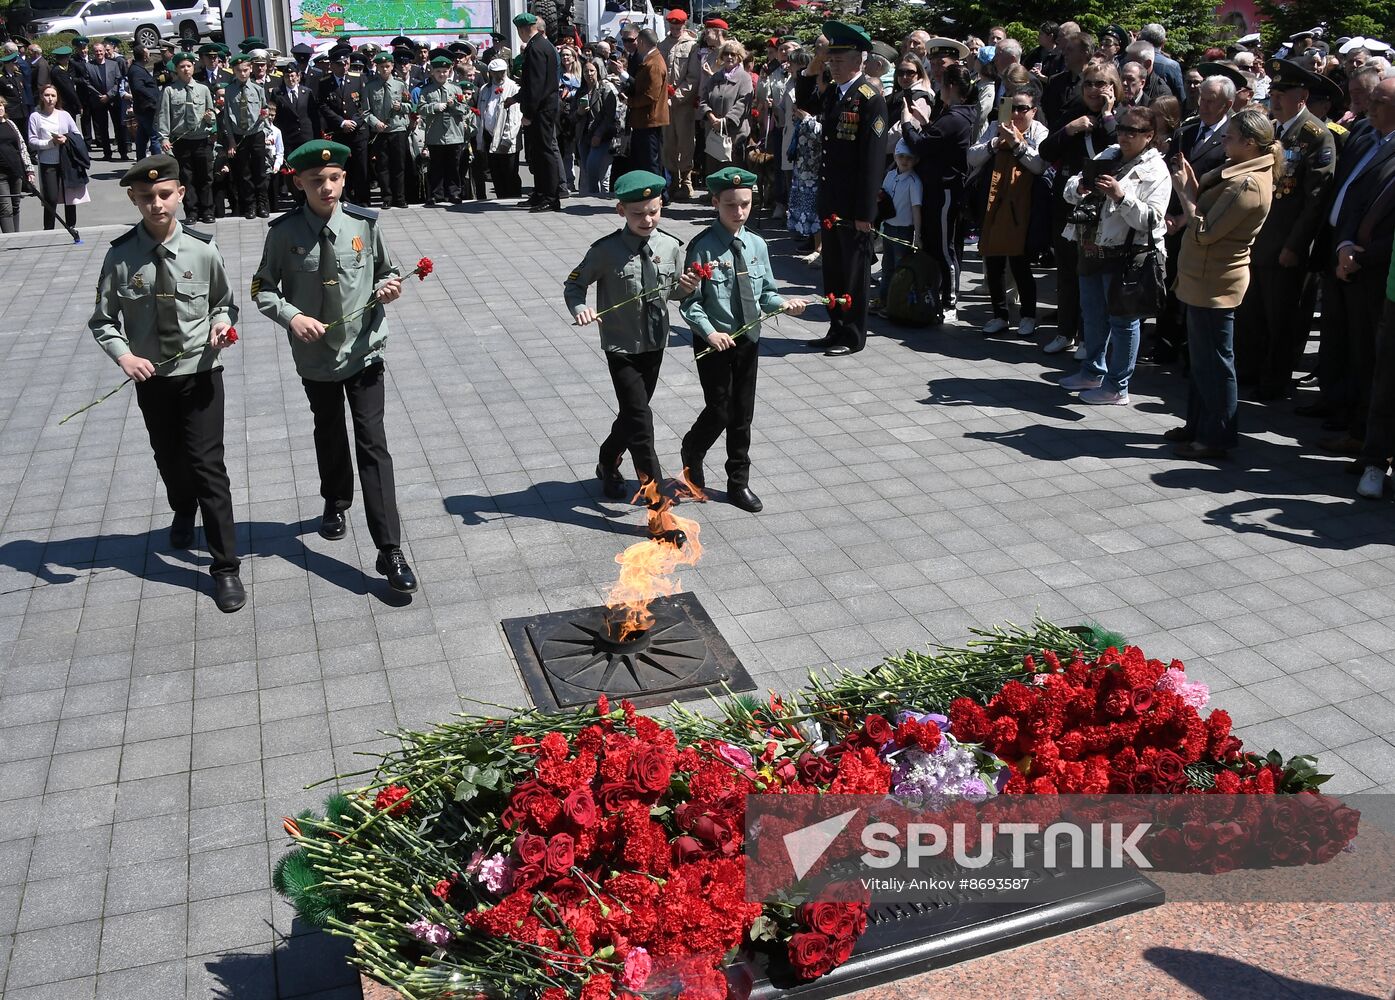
567 658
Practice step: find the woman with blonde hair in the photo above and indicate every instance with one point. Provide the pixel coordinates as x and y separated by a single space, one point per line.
726 108
1224 209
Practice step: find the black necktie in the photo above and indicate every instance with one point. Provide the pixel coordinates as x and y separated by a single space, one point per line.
331 298
745 291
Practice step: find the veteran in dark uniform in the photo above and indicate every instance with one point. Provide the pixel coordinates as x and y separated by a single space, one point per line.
853 113
1269 331
164 310
325 274
340 94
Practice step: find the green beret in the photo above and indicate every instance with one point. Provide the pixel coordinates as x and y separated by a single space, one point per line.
240 58
383 57
63 50
442 61
152 170
181 57
9 58
210 49
525 19
730 178
111 40
81 40
318 153
638 185
846 37
251 42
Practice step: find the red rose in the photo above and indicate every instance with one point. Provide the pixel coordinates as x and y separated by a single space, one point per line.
843 949
1168 770
651 769
614 795
822 917
530 848
1196 835
1142 698
580 808
1346 821
687 849
561 854
877 729
810 954
526 877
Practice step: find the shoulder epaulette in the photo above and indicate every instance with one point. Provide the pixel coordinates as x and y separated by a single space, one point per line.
608 236
1337 129
681 243
125 236
283 217
1188 121
1312 128
198 235
866 90
359 212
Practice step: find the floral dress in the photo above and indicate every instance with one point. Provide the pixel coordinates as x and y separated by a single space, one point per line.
803 212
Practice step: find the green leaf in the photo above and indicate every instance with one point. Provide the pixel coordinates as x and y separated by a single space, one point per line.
764 929
465 791
490 777
658 812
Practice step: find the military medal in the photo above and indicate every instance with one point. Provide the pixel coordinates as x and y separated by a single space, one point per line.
137 282
188 275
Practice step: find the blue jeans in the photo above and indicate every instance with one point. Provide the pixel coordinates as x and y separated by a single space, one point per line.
595 168
892 254
1212 404
1118 335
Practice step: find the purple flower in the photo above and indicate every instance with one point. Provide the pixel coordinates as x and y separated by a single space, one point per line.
497 874
940 720
735 756
432 934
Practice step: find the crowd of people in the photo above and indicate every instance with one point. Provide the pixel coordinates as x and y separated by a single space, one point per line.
1205 210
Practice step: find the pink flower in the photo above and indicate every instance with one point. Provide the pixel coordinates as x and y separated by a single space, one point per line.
735 756
497 874
432 934
638 966
1194 694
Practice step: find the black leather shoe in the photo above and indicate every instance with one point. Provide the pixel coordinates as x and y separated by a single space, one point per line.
207 219
692 468
263 213
821 342
1178 435
612 481
546 206
228 593
741 496
182 531
333 525
839 351
249 215
528 202
393 565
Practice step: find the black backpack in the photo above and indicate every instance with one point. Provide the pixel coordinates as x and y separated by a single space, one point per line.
913 296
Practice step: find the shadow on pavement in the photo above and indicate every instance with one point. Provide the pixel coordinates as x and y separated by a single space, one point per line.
1218 977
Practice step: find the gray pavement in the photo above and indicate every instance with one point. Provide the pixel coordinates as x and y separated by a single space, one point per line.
150 745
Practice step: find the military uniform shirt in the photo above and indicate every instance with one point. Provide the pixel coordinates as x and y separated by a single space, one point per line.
182 110
713 307
378 99
291 280
1296 213
243 104
616 265
130 318
443 128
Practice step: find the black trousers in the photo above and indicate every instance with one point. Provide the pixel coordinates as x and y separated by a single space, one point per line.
634 377
1067 288
184 417
365 393
195 175
996 269
249 172
443 172
729 392
1380 420
479 173
941 238
390 164
847 270
647 150
503 167
107 124
544 159
51 184
1267 327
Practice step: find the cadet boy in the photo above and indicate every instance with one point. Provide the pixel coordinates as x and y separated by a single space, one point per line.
184 122
325 261
640 258
163 294
443 109
244 127
740 291
385 113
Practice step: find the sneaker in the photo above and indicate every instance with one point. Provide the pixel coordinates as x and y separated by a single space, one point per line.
1058 343
950 315
1027 327
995 326
1372 485
1080 354
1104 397
1081 383
813 259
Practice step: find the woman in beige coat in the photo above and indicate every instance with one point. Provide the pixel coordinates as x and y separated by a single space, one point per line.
1224 211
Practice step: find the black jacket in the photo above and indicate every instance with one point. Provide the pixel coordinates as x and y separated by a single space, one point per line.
942 147
65 80
11 150
1060 101
299 119
541 68
1210 155
1069 153
145 92
338 101
854 147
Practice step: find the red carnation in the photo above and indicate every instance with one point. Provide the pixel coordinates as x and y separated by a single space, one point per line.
231 335
394 799
441 889
423 268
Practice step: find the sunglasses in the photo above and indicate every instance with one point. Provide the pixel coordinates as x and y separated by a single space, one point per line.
1022 109
1133 130
1097 83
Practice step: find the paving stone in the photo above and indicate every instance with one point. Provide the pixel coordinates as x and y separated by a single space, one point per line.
143 938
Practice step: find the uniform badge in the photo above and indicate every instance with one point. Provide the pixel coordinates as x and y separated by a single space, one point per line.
188 275
879 126
357 244
137 282
256 286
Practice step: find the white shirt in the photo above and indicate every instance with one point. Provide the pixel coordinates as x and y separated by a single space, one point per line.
1283 129
905 191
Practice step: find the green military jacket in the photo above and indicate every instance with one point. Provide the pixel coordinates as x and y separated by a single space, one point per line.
712 308
290 281
185 111
445 126
615 265
243 107
378 100
133 317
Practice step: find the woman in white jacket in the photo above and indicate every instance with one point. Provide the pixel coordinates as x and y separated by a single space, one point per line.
497 124
1126 193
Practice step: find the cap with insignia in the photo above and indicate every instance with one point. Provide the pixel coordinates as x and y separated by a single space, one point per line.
181 57
729 179
716 22
9 58
301 49
318 153
403 54
251 42
63 50
400 40
525 19
239 59
442 61
321 58
638 185
151 170
340 52
1285 73
81 40
1116 32
111 40
382 57
940 47
167 44
846 37
210 49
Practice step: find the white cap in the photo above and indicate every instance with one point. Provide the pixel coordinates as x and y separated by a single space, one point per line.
1359 42
498 66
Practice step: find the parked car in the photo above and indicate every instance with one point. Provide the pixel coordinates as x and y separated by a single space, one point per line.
194 19
145 22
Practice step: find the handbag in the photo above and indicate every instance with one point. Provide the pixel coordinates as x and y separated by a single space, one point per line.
718 144
1140 289
620 141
